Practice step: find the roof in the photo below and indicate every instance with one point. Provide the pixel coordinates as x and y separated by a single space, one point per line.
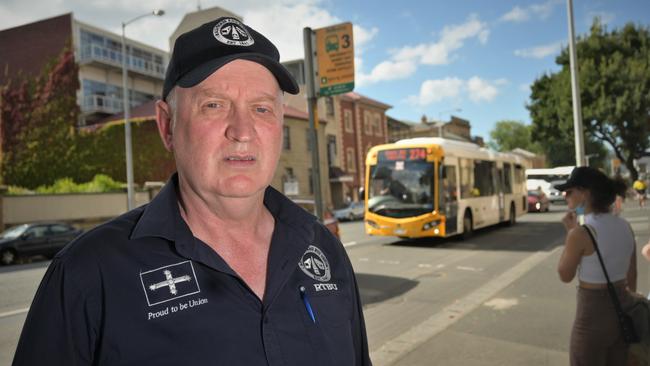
354 96
197 18
141 113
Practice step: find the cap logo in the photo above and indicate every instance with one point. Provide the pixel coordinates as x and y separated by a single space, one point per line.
231 32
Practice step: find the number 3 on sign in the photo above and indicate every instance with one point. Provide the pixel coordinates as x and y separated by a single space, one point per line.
346 41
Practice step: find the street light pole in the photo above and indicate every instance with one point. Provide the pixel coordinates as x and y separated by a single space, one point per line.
127 111
575 90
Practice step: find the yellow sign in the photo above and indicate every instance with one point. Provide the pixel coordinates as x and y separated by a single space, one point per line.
335 56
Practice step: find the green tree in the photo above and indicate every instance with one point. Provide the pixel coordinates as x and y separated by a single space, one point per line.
40 117
614 78
509 135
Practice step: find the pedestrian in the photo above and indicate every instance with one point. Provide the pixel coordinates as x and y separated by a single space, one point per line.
640 188
621 191
596 337
646 251
219 268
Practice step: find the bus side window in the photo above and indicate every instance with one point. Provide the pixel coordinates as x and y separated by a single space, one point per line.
507 178
449 183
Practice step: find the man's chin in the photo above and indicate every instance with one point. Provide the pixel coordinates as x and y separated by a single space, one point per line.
240 187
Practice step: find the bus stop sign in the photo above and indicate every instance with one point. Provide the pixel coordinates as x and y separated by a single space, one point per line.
335 59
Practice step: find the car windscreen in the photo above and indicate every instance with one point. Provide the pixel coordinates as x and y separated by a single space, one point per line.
401 188
14 232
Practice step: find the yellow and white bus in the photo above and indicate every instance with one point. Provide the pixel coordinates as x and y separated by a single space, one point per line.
426 187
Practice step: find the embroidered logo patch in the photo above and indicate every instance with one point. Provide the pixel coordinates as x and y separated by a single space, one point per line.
169 282
231 32
315 265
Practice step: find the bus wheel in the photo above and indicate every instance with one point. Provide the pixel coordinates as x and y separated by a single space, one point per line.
513 215
468 227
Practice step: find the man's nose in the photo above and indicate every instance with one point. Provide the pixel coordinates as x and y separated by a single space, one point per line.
241 127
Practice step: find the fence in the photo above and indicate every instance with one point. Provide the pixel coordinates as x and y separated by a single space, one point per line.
84 209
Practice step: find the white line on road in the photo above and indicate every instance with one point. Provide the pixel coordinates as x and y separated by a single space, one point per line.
406 342
471 269
350 243
13 312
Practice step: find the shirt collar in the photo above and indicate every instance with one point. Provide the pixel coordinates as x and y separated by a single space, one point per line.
162 218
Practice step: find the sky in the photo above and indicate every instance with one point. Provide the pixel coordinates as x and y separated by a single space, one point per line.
474 59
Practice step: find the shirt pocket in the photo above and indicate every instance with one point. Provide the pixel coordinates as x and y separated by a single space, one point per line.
328 320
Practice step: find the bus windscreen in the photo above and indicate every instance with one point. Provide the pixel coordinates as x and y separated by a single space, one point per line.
401 188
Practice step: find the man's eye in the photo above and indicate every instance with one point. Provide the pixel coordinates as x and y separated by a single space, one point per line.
262 109
213 105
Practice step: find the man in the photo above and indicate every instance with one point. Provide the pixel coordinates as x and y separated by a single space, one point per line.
220 268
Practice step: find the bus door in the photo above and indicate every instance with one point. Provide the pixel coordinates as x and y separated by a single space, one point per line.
501 194
449 197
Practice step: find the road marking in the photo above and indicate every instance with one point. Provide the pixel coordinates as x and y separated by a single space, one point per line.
384 261
406 342
501 304
471 269
637 219
350 243
13 312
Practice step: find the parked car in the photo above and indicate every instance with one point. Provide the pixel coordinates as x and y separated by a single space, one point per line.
556 197
537 201
354 211
40 238
328 218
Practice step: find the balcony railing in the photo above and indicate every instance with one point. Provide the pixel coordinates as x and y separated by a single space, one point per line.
101 104
94 52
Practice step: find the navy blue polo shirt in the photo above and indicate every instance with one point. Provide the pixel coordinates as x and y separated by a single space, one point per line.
142 290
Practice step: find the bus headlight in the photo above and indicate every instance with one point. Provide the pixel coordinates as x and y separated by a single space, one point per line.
430 225
372 223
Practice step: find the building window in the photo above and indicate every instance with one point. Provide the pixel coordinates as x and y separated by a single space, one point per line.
367 126
351 164
347 120
377 124
329 106
331 149
286 138
290 183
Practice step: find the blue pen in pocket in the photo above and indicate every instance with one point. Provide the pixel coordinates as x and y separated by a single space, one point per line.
305 300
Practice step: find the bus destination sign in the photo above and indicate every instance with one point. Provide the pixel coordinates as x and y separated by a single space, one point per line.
403 154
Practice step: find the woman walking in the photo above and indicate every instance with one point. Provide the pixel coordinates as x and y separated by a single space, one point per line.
596 336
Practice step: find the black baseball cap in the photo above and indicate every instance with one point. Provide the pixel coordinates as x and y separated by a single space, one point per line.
583 177
203 50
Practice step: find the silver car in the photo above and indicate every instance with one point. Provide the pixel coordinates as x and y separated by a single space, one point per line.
354 211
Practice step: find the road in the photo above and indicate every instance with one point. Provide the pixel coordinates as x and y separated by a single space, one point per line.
494 299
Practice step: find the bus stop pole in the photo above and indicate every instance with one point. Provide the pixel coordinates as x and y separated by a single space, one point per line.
312 105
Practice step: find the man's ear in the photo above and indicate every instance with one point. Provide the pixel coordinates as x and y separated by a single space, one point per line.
164 120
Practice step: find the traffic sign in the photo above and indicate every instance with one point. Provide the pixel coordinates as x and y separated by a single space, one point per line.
335 59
